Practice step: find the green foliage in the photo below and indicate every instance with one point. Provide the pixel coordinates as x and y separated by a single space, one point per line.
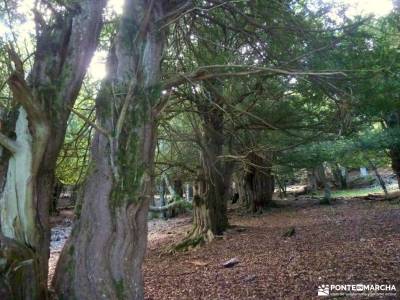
73 160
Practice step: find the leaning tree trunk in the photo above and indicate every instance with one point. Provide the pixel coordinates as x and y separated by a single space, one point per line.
65 45
258 183
104 255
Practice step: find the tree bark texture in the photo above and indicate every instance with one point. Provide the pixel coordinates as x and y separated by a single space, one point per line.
65 45
258 183
393 121
103 257
211 191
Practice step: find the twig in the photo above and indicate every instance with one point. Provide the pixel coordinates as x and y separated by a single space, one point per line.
91 123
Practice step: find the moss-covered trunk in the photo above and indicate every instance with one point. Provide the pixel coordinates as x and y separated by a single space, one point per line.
103 257
33 139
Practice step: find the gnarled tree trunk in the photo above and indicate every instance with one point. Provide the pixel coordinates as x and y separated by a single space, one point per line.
257 183
103 257
209 207
65 45
211 191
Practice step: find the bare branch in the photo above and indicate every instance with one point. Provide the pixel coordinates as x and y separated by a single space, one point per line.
212 71
14 57
22 94
168 206
91 123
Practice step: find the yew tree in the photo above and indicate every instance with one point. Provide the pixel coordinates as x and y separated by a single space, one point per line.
65 40
104 255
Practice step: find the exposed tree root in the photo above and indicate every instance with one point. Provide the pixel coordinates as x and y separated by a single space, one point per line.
197 237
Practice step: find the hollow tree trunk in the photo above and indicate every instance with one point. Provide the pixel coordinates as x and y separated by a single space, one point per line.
258 183
103 257
63 51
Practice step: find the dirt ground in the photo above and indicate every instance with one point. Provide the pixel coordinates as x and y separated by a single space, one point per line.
349 242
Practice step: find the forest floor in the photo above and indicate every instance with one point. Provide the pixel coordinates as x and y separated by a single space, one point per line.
349 242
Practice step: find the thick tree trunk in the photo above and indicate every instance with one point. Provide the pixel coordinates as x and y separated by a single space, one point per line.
189 192
340 175
205 215
320 173
258 183
395 157
393 121
18 202
176 194
282 187
209 212
163 201
178 187
210 207
57 190
64 48
311 180
103 258
211 191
